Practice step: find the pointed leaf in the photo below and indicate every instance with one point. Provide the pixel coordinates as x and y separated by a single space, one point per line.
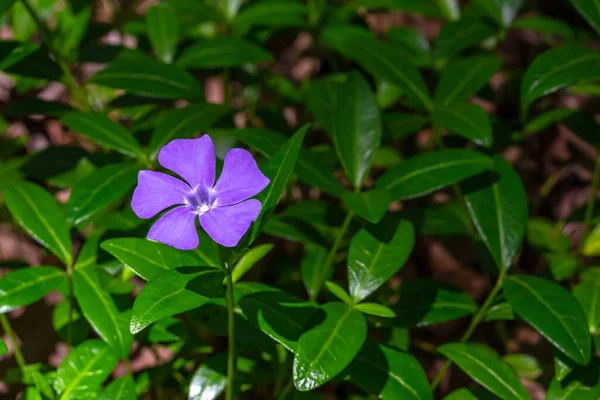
370 205
37 211
338 292
467 120
222 52
376 309
163 31
25 286
249 259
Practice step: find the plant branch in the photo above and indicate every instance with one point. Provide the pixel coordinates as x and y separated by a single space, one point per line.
231 361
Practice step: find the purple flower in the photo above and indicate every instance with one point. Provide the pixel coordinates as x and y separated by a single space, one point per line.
223 208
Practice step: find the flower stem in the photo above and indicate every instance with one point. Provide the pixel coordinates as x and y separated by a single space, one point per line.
15 346
589 210
477 318
231 361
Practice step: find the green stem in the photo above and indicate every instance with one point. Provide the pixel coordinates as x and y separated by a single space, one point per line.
334 249
477 318
231 339
11 336
589 210
69 80
70 308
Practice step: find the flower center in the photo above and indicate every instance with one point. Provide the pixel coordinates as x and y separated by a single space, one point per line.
199 200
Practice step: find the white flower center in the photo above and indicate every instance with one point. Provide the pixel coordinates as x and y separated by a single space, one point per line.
204 208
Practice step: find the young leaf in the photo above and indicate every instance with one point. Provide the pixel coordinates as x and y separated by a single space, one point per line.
338 292
37 211
590 11
326 349
103 130
173 292
82 372
163 31
249 259
389 374
552 311
428 172
149 78
467 120
557 68
101 312
356 128
148 259
376 309
487 369
99 189
376 254
498 206
222 52
370 205
25 286
119 389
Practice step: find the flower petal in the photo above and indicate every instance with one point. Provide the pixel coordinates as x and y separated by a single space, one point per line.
240 179
227 225
156 191
177 228
192 159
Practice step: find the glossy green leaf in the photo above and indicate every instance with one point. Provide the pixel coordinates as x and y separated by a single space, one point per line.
376 309
314 270
376 254
102 130
590 11
82 372
389 374
3 348
545 25
280 315
173 292
182 123
38 212
428 172
25 286
476 393
338 292
385 62
412 6
119 389
285 13
356 128
525 365
426 302
162 27
588 295
99 189
249 259
552 311
327 348
413 43
450 9
557 68
458 36
148 259
401 125
222 52
101 312
321 96
487 369
467 120
207 383
464 77
498 206
149 78
371 205
582 384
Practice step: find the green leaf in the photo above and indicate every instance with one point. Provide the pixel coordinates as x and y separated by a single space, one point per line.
502 11
401 125
314 270
284 13
428 172
563 365
37 212
370 205
222 52
385 62
101 312
545 25
450 9
308 166
389 374
445 219
119 389
11 52
545 120
182 123
464 77
103 130
148 259
162 27
582 384
476 393
338 292
425 302
552 311
590 11
149 78
376 309
6 5
413 43
356 128
321 96
588 295
280 315
207 383
499 312
467 120
98 190
25 286
249 259
3 348
376 254
498 206
173 292
455 37
327 348
279 170
525 365
428 8
557 68
82 372
487 369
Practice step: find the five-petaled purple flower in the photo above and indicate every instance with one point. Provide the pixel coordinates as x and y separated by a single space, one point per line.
223 208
